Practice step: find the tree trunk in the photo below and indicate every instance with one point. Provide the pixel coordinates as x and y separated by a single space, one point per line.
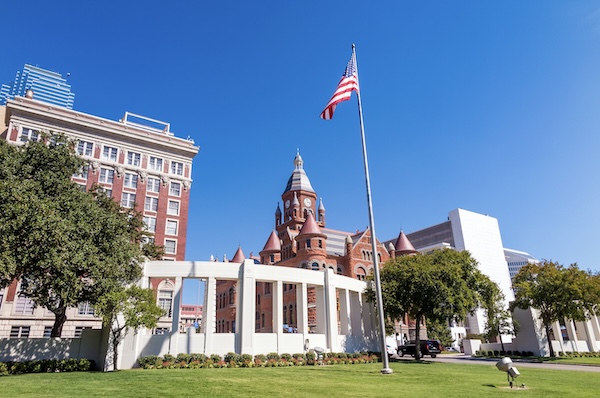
60 317
116 339
547 327
417 338
500 337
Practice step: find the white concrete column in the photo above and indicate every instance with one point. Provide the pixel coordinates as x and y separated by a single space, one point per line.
596 328
557 336
572 333
246 308
174 335
209 314
302 308
331 310
345 316
590 336
278 312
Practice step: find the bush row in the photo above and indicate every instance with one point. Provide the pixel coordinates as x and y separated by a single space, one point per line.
569 354
46 365
496 353
233 360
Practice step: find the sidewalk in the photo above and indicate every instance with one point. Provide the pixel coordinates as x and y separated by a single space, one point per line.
521 363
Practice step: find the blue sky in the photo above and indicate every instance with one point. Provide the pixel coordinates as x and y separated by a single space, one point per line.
490 106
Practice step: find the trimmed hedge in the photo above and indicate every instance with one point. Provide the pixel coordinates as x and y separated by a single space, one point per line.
46 365
233 360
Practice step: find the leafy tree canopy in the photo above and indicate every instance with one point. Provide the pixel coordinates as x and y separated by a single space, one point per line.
65 246
439 286
556 292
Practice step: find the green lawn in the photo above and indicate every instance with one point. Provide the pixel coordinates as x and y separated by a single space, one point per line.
409 379
595 361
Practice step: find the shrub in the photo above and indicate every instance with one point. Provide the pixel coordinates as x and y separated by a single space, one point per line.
246 357
342 355
232 357
509 352
490 353
529 354
517 353
3 369
287 357
182 357
85 365
273 355
147 362
496 353
299 356
216 358
260 357
198 358
168 358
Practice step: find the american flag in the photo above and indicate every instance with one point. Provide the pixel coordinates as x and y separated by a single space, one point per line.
344 89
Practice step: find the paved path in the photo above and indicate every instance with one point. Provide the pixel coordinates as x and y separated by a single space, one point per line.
461 358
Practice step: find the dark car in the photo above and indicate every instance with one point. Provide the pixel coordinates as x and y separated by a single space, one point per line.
428 347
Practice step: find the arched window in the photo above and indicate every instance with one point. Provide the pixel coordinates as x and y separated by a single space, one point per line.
361 273
339 271
291 314
315 266
165 297
258 299
231 297
285 314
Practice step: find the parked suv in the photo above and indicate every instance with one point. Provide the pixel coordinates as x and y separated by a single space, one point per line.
428 347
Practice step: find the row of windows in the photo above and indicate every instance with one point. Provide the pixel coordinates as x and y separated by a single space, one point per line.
86 148
150 225
130 180
25 331
226 299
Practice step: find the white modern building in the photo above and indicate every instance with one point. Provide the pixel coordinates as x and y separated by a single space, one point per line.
480 235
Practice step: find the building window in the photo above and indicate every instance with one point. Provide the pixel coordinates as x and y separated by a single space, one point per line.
19 332
160 331
130 180
308 243
175 189
173 208
177 168
314 266
291 314
106 176
151 204
361 274
171 227
285 314
85 308
84 148
153 185
29 135
133 158
79 330
231 296
82 172
109 153
267 288
257 302
24 306
150 224
170 246
128 200
47 331
155 163
165 301
263 320
106 191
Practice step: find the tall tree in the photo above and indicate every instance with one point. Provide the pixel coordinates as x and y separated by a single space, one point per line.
131 307
498 318
438 286
556 292
65 246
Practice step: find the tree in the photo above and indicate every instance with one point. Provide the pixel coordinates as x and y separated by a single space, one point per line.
65 246
131 307
438 330
439 286
499 319
556 292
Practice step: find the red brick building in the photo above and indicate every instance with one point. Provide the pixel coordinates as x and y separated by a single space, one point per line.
134 161
301 239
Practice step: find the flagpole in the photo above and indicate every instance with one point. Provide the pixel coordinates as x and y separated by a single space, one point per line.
386 369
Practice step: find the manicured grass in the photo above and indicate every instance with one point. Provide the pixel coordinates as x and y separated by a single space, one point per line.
595 361
409 379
